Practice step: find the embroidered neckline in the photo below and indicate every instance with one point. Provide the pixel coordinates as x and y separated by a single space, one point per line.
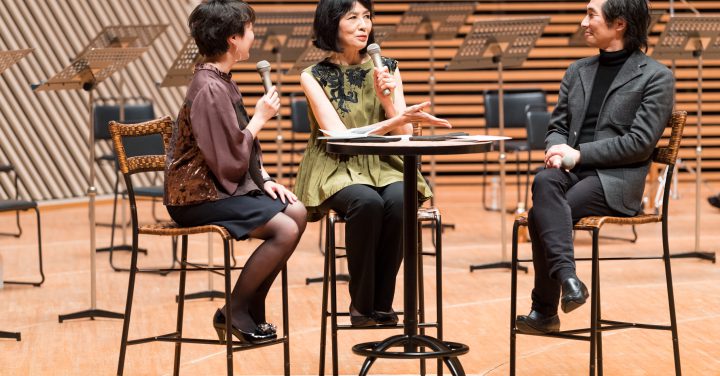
205 66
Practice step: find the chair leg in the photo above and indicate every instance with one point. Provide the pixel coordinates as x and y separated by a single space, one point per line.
181 305
513 296
330 240
40 258
128 305
421 293
438 285
671 298
228 308
598 304
324 314
286 321
593 302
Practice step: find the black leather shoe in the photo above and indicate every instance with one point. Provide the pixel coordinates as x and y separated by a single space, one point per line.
358 320
386 318
714 201
537 323
574 294
257 336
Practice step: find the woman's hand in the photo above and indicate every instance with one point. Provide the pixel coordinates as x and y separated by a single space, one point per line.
416 114
384 80
268 105
276 190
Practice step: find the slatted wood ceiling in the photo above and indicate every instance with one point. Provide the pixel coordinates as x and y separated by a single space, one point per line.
44 134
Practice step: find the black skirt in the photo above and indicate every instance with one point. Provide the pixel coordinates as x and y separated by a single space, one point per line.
240 215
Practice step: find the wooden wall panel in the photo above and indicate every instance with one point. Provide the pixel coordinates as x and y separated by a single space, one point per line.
44 134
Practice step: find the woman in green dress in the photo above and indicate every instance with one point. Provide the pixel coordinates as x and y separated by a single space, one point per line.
345 91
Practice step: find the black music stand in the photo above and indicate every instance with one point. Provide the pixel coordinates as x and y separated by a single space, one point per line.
281 36
431 22
499 44
688 37
122 36
577 39
86 72
8 59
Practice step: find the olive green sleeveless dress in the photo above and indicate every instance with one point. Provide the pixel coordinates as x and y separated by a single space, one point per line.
321 174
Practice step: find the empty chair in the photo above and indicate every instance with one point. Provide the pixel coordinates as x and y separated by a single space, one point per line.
514 104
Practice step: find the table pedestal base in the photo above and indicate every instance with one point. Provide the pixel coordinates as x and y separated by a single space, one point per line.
436 349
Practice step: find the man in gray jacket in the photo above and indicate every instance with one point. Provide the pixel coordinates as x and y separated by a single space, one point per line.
611 112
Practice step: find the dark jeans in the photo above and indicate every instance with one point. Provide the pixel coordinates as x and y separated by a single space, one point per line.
373 241
560 199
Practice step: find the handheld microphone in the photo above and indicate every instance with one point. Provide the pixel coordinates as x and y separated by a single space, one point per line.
374 52
567 162
263 68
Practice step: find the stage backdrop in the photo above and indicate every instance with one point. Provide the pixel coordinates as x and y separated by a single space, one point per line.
45 134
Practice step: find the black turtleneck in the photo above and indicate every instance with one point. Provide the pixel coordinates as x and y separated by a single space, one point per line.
609 66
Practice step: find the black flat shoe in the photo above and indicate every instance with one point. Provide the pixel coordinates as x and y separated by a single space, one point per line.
574 294
257 336
537 323
361 321
386 318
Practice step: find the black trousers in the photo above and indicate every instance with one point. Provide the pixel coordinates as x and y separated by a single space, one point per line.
373 241
560 199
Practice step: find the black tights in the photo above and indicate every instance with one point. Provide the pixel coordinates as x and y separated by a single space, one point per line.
281 235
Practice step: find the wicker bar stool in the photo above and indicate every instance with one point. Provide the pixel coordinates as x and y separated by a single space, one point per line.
666 155
431 215
143 163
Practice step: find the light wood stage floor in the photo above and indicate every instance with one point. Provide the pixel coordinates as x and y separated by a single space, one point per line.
476 305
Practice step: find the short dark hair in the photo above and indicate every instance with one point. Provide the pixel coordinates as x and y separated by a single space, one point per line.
327 21
214 21
636 14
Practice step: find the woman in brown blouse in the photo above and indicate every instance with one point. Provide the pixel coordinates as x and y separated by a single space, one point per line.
214 173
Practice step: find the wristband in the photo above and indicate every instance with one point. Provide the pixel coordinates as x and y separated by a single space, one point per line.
267 179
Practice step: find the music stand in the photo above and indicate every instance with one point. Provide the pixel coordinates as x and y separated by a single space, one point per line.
431 22
577 39
181 71
7 59
688 37
121 36
86 72
278 36
499 44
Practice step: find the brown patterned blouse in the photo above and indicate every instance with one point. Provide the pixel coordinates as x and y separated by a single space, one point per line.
211 155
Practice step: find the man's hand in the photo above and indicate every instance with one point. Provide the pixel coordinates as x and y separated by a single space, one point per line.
276 190
556 153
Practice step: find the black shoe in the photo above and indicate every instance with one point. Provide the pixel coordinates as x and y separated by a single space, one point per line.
386 318
257 336
574 294
358 320
714 201
537 323
267 328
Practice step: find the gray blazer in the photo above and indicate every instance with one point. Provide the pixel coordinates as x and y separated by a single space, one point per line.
633 115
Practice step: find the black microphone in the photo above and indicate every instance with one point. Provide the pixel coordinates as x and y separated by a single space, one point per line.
263 67
374 52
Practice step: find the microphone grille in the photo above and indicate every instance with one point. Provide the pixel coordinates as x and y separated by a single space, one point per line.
373 49
263 66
